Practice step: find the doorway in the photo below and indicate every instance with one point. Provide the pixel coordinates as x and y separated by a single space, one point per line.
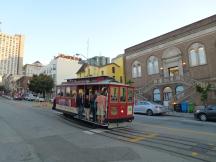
173 71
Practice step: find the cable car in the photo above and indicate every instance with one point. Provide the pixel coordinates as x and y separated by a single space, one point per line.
119 99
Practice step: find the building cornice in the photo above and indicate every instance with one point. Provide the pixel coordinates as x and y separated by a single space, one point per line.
175 42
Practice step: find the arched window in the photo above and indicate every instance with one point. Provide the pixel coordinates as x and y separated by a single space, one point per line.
167 93
179 90
152 65
136 70
197 55
156 95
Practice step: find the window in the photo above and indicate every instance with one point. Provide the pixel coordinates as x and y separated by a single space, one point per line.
143 103
130 95
152 65
67 91
121 79
102 72
122 94
113 69
156 95
197 55
88 72
179 90
167 93
136 70
201 56
114 94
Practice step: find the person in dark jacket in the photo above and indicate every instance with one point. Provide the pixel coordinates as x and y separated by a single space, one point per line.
80 105
87 107
93 105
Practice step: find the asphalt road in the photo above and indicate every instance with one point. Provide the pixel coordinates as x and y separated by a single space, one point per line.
34 134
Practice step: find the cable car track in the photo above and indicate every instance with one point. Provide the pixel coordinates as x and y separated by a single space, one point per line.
186 148
183 147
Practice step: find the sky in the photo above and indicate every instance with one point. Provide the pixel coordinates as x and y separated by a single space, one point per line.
94 27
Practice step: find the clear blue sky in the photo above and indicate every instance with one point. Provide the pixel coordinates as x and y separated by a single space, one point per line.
64 26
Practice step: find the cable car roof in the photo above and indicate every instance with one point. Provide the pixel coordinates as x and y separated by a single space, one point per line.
99 80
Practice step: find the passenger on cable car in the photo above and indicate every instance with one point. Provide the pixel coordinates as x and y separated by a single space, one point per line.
87 107
80 105
101 107
93 105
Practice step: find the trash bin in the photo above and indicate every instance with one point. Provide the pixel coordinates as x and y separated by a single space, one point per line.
177 107
184 106
191 107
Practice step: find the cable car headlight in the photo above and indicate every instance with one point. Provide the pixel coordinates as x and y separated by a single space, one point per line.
122 111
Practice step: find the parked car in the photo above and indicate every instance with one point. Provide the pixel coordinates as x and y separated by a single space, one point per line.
30 97
40 99
204 114
149 108
17 97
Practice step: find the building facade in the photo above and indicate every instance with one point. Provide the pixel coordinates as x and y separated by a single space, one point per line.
31 69
62 67
120 74
11 54
114 70
22 84
167 68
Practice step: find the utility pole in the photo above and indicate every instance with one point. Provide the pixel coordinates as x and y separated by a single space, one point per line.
87 50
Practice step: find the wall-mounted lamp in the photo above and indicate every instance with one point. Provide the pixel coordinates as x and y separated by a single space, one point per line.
184 63
161 68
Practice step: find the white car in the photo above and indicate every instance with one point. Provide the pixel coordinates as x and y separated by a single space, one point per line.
40 99
149 108
30 97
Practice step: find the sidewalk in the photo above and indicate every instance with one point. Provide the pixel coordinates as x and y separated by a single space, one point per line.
180 114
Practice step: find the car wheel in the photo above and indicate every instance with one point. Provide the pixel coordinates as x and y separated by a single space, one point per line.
149 112
203 117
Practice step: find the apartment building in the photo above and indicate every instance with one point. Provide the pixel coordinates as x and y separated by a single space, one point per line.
98 60
11 54
31 69
166 68
62 67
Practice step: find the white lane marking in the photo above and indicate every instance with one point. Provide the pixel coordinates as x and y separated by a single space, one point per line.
88 132
97 130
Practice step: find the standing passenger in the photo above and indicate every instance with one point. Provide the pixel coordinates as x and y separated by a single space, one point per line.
87 107
93 105
79 101
101 107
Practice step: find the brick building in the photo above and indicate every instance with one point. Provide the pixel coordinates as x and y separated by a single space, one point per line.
166 68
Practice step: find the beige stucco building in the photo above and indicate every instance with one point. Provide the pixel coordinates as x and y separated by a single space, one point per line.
11 54
166 68
32 69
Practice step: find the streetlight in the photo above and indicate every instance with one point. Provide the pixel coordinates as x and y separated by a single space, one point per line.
84 61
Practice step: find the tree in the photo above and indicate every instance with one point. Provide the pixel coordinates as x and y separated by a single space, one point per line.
41 84
203 89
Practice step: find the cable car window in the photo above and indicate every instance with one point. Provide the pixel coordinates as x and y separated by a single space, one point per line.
58 91
62 93
114 94
122 94
130 95
67 91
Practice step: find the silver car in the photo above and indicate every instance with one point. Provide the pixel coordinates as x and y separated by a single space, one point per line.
149 108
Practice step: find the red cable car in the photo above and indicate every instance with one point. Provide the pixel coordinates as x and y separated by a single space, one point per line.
119 99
